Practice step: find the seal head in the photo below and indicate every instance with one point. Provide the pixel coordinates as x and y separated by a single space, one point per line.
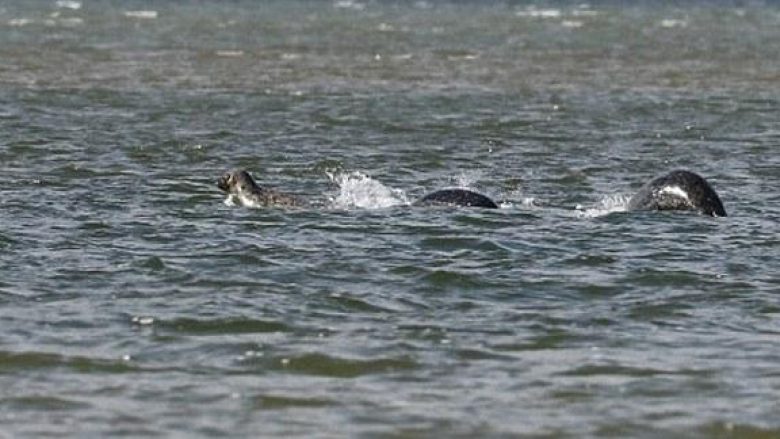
678 190
242 189
456 197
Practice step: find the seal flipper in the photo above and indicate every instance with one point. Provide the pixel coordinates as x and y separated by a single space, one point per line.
678 190
456 197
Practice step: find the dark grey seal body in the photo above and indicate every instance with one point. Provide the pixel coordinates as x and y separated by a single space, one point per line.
456 197
678 190
243 190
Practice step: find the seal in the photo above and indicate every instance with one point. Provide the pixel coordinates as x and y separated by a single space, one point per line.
243 190
678 190
456 197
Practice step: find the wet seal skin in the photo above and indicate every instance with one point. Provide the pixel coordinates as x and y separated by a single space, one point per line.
456 197
242 189
678 190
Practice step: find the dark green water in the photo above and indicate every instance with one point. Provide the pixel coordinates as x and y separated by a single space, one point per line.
135 302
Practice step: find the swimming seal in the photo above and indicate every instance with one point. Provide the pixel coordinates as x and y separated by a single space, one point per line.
456 197
678 190
243 190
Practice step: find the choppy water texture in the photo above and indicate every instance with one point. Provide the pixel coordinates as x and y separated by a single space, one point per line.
134 301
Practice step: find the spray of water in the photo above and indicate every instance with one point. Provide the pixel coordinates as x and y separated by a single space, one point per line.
230 201
467 179
607 205
357 190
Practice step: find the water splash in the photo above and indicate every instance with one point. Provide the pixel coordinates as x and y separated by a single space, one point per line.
467 179
524 202
231 201
359 190
607 205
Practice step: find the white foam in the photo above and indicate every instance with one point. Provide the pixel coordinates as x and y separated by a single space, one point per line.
573 24
349 4
143 320
230 200
19 22
529 202
147 15
533 12
607 205
403 57
359 190
230 53
671 22
525 202
68 4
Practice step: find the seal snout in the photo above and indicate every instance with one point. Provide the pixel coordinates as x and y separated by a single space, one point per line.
235 180
223 182
242 189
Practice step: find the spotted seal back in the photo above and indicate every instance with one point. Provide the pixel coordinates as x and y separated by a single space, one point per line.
456 197
678 190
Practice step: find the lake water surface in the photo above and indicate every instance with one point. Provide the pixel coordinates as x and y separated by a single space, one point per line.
135 302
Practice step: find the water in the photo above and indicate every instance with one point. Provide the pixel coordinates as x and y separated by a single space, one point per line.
133 301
